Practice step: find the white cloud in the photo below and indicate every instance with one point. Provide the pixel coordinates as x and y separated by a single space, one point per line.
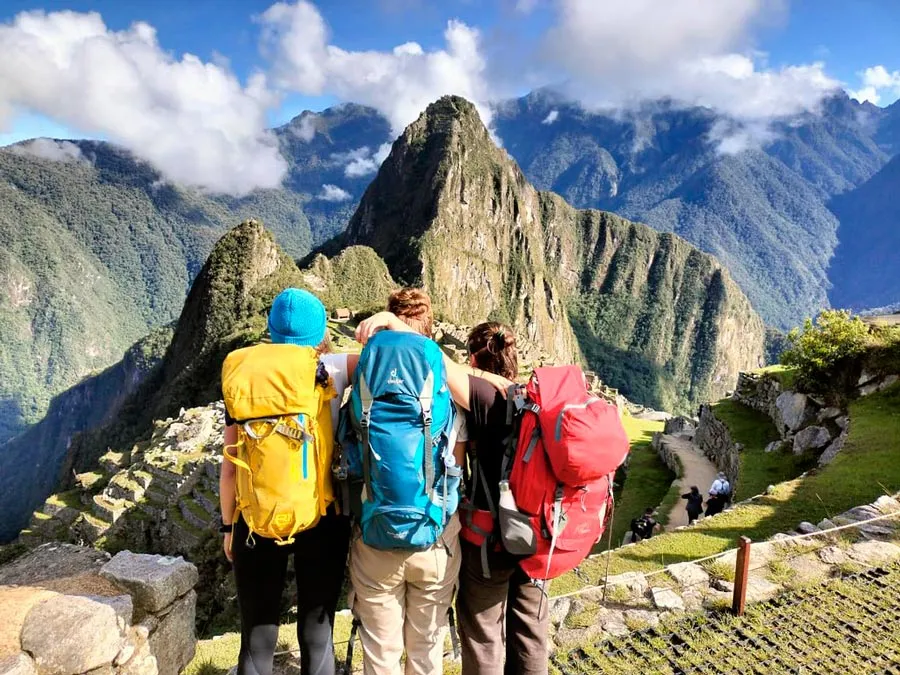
194 121
526 6
732 137
47 148
692 52
399 83
306 130
877 81
551 117
358 162
332 193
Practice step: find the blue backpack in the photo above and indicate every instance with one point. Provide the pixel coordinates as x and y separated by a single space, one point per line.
395 437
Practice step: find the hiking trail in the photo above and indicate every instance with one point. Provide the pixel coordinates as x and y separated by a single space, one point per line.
696 470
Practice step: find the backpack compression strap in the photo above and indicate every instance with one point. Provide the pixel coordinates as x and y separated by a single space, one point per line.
426 397
366 399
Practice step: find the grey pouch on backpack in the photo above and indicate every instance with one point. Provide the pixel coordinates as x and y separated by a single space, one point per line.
516 532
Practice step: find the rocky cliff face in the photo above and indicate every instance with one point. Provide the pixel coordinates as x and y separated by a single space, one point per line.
655 316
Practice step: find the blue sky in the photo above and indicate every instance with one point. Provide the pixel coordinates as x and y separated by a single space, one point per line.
610 53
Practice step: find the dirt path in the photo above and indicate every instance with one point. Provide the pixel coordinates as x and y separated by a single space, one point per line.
697 470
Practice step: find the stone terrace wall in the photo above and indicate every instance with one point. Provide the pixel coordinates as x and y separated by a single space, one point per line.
714 440
68 610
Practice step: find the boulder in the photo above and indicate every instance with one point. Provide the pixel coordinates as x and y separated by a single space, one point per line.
613 622
842 422
806 528
17 664
67 635
688 574
667 599
811 438
826 524
173 641
878 385
833 449
154 581
774 446
634 582
641 617
559 608
886 504
795 410
829 413
51 561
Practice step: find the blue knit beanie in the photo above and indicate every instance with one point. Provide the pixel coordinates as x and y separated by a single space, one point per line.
297 317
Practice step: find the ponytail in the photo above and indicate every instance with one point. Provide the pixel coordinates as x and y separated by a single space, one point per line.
493 347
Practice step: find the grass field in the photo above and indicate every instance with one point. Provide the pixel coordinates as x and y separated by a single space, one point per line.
867 467
787 375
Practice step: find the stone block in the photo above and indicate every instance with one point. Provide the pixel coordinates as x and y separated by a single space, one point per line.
637 617
832 555
634 582
833 449
559 608
67 635
51 561
667 599
874 552
688 574
760 590
154 581
121 604
17 664
173 642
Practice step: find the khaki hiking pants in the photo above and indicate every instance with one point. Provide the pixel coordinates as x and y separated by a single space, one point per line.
401 599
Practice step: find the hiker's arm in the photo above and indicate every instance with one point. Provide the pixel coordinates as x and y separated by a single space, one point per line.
377 322
227 499
458 381
459 454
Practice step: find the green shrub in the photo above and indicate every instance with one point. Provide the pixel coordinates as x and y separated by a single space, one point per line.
824 351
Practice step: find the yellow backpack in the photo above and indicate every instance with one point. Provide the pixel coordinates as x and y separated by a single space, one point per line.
285 440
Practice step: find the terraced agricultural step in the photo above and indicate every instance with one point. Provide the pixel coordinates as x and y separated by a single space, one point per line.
122 486
108 510
206 499
90 527
195 514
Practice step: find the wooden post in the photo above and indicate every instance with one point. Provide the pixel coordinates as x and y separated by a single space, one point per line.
741 570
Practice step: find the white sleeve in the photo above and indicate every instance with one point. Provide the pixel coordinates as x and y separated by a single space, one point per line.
459 426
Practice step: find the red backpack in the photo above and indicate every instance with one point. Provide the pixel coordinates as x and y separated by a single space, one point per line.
560 462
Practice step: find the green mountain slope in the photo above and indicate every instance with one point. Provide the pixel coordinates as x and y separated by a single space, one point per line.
863 272
763 212
658 318
97 250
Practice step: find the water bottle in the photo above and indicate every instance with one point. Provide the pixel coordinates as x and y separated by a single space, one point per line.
507 501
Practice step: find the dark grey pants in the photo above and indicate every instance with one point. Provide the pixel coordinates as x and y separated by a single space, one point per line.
320 557
498 617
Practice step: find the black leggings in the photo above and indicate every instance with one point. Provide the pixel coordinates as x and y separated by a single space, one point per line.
320 557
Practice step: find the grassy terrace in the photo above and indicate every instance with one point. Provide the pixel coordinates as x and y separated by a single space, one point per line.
847 625
867 467
647 480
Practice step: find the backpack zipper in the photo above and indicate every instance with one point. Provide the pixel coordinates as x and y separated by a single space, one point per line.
571 406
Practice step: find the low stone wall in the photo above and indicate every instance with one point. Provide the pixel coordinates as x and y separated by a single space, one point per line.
68 610
714 440
634 600
666 453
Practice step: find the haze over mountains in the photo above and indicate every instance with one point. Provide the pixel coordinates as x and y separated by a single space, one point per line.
98 249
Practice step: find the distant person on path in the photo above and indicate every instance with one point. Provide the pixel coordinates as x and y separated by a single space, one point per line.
694 504
645 526
719 495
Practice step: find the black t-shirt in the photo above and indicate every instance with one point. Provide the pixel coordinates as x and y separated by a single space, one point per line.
487 429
